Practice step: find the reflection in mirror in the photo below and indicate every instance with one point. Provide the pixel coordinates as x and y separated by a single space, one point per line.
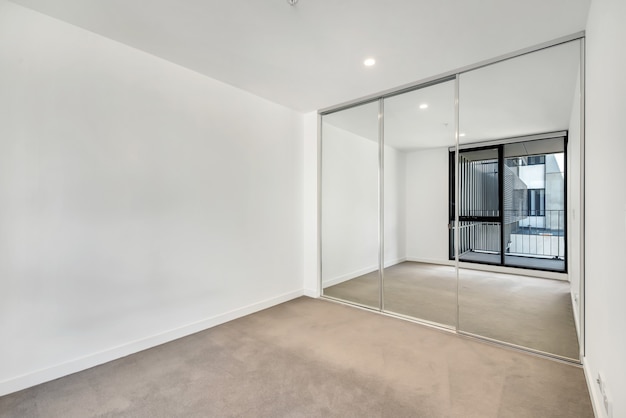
534 204
418 279
479 206
350 205
529 108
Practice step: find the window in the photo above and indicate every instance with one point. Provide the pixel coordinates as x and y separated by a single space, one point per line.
536 160
536 202
511 204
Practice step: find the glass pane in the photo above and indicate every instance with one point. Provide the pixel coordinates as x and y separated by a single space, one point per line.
349 200
531 305
478 183
479 242
419 280
479 206
534 204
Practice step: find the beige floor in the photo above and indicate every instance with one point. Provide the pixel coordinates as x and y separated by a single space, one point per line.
315 358
525 311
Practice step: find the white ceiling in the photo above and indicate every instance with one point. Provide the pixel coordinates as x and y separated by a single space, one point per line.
526 95
530 94
310 56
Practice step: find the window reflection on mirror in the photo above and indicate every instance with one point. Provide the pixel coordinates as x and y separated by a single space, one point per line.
517 281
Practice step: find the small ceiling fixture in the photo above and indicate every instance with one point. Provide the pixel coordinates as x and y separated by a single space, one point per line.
292 2
424 106
462 134
369 62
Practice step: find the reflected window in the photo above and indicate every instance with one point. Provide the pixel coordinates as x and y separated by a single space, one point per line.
512 204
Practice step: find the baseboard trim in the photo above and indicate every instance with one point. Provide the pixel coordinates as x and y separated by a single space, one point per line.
349 276
514 270
91 360
431 261
594 392
361 272
576 320
394 262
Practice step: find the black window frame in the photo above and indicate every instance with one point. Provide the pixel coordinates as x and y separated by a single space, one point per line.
452 161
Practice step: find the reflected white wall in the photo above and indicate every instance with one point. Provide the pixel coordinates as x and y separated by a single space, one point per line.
574 202
427 205
349 205
395 206
350 215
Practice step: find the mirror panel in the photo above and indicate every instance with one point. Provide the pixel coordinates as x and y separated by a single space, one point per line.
534 212
528 105
419 280
517 200
350 205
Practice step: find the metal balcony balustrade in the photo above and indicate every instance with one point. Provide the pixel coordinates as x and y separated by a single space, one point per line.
532 234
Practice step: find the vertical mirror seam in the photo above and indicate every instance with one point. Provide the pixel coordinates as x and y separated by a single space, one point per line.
582 284
381 204
456 195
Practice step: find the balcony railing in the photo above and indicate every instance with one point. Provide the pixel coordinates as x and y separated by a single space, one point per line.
537 234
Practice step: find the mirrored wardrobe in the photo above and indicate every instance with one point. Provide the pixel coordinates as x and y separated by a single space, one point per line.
458 202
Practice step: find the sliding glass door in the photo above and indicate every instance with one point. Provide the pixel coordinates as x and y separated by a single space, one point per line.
480 221
512 204
535 222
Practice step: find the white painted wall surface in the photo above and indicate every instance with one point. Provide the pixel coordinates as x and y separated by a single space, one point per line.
310 209
605 201
395 207
350 217
349 205
574 219
139 201
427 205
533 176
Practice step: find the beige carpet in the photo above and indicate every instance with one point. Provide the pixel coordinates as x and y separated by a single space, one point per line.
315 358
526 311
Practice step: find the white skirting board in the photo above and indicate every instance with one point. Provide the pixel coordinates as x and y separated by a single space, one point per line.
82 363
594 391
576 309
349 276
360 272
431 261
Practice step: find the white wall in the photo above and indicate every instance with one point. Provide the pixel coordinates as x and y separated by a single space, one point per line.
139 201
574 219
427 205
310 209
395 207
605 201
349 205
350 214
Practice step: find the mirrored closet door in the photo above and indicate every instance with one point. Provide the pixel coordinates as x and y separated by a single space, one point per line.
458 202
419 281
517 120
350 215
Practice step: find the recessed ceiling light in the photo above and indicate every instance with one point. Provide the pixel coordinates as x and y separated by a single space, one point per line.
461 134
369 62
424 106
